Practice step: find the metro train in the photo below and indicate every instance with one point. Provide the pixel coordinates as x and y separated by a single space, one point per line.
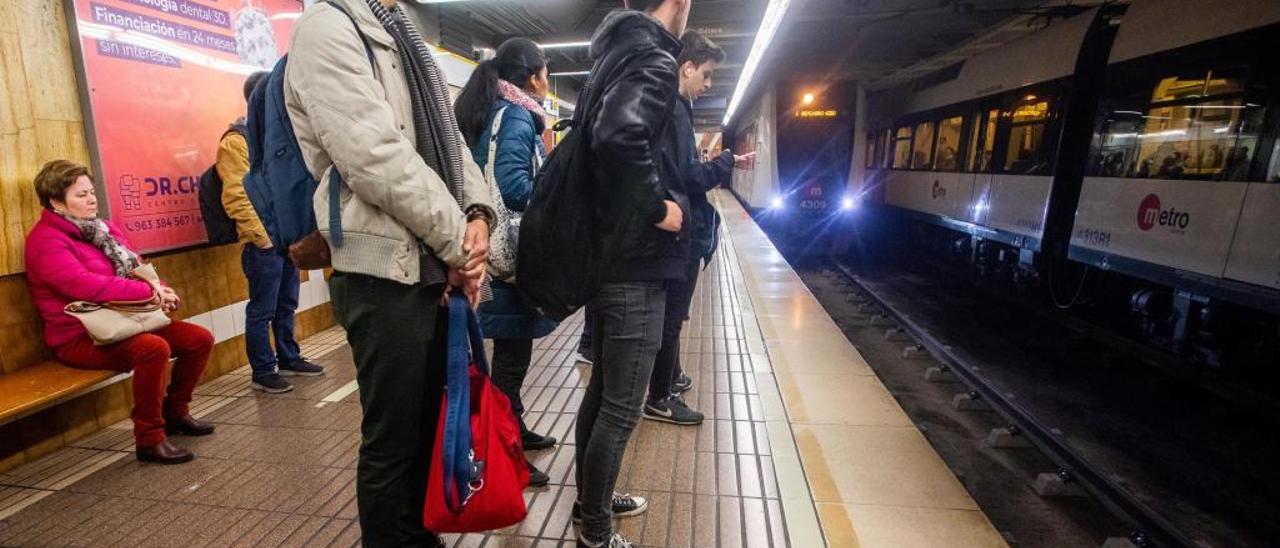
1125 158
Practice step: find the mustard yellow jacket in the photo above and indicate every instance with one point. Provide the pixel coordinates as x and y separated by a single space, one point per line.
233 164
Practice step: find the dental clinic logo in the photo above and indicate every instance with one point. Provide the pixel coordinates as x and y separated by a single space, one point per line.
1151 214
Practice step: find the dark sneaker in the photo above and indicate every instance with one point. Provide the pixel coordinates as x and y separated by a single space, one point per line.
624 505
301 368
271 384
537 478
615 541
536 442
682 384
672 410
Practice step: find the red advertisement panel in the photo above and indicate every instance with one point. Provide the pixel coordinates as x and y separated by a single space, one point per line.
164 80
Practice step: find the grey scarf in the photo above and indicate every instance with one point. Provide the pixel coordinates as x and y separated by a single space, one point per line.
95 231
436 129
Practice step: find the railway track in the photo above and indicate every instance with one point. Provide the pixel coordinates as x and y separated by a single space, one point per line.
1149 527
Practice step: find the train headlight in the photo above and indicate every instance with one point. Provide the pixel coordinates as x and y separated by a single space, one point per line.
848 204
776 202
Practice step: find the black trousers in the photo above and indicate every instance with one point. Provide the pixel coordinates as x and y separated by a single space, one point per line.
398 335
666 369
511 359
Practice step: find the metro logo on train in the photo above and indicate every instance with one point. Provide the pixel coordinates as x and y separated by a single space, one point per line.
814 195
1150 214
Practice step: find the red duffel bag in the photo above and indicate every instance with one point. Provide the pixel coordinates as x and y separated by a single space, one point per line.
478 470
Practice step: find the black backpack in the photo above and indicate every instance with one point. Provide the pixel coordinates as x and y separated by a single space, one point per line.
557 256
220 226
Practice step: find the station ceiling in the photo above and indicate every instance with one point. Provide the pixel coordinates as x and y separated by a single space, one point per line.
881 43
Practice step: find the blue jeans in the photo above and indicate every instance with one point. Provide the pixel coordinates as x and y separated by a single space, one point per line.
626 335
273 299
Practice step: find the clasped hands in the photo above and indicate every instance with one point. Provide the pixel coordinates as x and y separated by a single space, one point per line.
469 277
165 296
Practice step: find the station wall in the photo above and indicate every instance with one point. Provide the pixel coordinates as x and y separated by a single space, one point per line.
40 120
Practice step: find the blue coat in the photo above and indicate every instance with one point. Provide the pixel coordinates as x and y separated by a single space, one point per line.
506 316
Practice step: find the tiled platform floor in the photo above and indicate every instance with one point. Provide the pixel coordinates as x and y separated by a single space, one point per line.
784 458
280 471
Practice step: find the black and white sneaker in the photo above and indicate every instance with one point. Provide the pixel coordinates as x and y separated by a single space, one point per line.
615 541
271 384
301 368
582 357
672 410
682 384
624 505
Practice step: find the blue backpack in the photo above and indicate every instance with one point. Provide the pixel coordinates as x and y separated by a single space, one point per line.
278 183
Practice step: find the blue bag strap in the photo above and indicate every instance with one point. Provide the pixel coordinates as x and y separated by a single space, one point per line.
477 338
457 429
335 178
335 207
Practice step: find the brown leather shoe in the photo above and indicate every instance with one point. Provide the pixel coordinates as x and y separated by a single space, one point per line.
165 453
187 426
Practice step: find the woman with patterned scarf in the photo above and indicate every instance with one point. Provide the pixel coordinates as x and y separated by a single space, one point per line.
506 92
72 255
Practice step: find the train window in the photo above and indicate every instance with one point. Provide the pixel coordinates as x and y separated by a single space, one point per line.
1118 138
902 148
975 148
981 160
1273 171
1024 146
1174 88
885 158
1026 134
1031 112
949 144
922 147
1213 140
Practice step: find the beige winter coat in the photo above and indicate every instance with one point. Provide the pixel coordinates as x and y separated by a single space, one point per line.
346 113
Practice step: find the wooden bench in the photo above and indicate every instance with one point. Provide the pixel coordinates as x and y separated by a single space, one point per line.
44 385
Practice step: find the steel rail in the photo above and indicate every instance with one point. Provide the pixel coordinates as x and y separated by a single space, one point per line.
1151 529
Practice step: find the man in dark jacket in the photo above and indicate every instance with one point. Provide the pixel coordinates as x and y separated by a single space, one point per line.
642 240
698 59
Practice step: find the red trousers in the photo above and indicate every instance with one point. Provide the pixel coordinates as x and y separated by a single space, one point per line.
147 355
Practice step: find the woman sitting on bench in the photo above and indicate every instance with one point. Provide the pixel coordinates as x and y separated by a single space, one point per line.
72 255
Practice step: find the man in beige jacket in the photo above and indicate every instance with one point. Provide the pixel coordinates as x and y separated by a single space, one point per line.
415 217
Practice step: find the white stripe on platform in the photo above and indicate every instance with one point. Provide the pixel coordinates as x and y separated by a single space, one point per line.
339 394
34 497
103 461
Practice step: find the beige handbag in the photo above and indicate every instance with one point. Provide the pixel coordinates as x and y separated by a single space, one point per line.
112 322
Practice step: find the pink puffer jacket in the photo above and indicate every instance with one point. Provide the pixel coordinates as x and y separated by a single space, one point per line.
62 268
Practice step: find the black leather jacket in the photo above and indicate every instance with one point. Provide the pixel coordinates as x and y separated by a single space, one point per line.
634 149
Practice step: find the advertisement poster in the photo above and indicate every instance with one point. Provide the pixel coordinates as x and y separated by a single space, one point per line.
164 79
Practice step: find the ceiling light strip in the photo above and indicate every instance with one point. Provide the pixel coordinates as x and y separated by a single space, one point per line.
561 45
768 26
